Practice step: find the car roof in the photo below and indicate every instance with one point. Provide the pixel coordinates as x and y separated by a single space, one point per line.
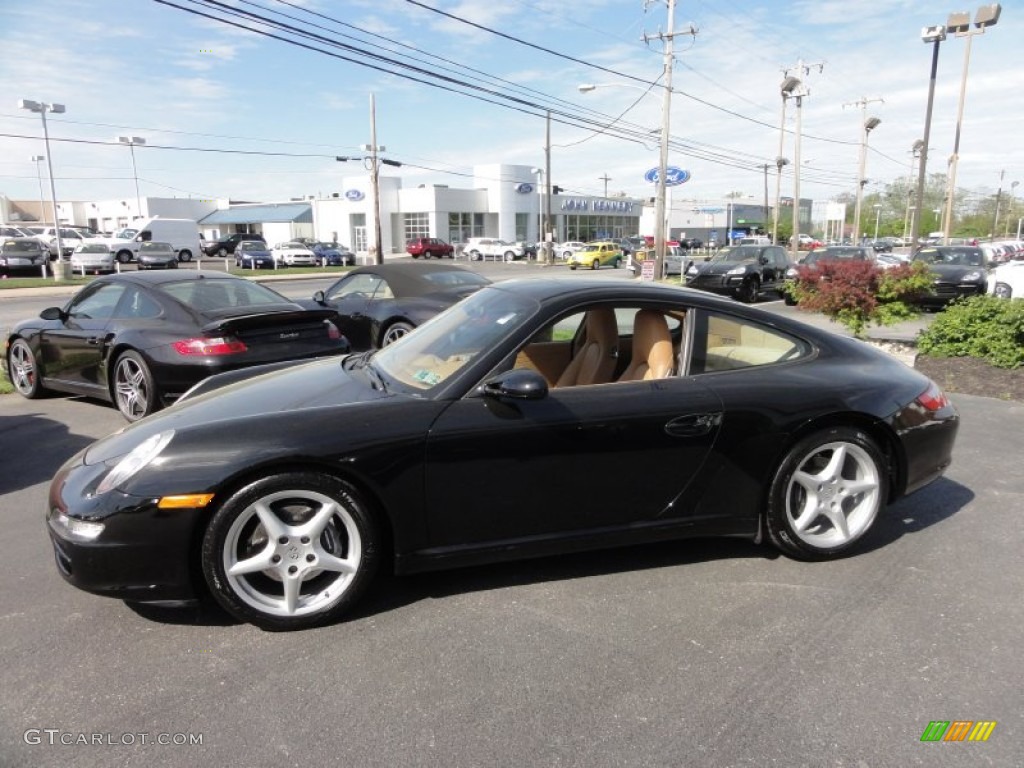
168 276
407 278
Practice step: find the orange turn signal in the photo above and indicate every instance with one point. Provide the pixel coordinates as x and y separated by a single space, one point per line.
186 500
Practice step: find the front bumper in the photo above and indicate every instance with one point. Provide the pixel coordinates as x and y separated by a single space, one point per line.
142 552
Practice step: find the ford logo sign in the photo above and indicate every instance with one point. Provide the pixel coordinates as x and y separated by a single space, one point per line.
355 195
524 188
673 176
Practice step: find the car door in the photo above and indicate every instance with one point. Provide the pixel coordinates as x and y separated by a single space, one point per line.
73 348
581 458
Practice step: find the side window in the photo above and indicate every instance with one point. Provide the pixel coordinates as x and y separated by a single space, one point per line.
725 343
98 304
383 291
136 303
360 286
145 236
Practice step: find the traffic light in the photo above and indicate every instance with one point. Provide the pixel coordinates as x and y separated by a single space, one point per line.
556 190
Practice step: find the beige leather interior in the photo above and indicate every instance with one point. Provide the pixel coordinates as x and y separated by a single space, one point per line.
594 362
653 355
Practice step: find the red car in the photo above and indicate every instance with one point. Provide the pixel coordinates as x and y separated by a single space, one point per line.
429 246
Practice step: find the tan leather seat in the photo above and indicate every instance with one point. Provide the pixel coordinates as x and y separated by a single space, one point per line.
653 356
594 362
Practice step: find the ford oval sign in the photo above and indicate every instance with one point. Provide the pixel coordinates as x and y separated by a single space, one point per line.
524 188
355 195
673 176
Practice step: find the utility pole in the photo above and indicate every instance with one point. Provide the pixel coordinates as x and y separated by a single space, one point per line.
999 196
549 245
766 166
797 90
606 178
666 119
375 182
864 131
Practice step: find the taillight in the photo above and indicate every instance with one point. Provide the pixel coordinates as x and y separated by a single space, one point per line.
933 398
332 330
209 347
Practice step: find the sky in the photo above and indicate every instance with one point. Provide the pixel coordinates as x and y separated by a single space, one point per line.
229 112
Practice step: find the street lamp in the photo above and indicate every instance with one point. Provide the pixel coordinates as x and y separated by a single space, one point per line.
934 35
869 125
795 89
131 141
42 108
1013 205
959 24
539 172
878 216
37 159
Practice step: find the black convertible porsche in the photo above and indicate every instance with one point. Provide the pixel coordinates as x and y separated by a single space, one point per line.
533 417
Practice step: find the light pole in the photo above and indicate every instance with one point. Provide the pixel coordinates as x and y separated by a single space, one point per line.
796 90
960 25
42 108
131 141
37 159
869 125
1013 206
779 162
540 209
934 35
878 216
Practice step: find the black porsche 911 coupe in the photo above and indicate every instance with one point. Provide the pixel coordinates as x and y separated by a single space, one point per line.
140 339
379 304
534 417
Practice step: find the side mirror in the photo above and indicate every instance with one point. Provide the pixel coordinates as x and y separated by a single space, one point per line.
319 298
52 313
519 384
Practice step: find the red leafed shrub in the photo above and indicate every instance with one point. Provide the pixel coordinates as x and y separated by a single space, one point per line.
857 293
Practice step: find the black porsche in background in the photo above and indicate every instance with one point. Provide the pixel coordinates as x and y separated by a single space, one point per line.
959 271
534 417
379 304
141 339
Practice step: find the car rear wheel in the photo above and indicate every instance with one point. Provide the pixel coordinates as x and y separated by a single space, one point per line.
222 252
185 255
510 257
474 255
394 332
290 551
24 372
826 494
134 389
124 256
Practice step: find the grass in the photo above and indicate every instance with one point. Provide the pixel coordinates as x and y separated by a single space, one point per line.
208 266
5 386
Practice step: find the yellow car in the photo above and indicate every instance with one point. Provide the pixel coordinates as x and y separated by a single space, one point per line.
596 255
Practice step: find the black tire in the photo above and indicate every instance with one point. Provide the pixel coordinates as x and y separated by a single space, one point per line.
124 256
132 386
185 255
509 257
617 263
572 267
172 265
595 264
23 369
222 252
395 331
325 521
749 291
827 494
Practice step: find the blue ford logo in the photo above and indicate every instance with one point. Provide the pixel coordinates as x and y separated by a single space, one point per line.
524 188
673 176
355 195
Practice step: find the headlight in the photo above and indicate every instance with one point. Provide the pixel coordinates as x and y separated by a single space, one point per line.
137 458
791 273
692 270
971 277
737 271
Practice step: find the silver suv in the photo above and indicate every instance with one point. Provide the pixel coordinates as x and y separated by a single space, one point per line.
483 248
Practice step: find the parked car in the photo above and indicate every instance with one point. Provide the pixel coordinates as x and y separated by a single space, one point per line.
7 231
379 304
806 242
742 271
293 254
226 245
529 248
429 247
691 243
69 238
1007 280
568 248
153 255
253 254
960 271
829 253
596 255
181 234
334 254
141 339
92 257
483 248
283 493
23 255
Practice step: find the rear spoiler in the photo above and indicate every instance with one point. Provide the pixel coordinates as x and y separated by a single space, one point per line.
237 323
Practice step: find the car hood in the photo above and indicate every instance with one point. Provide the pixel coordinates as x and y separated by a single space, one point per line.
722 268
948 272
288 391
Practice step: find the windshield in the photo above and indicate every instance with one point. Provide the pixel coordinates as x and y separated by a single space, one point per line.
740 254
454 339
21 246
962 257
92 248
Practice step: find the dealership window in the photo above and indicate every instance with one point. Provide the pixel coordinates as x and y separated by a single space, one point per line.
522 222
415 225
462 226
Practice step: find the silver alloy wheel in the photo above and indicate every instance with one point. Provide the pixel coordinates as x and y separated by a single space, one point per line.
131 388
294 567
22 365
394 332
834 495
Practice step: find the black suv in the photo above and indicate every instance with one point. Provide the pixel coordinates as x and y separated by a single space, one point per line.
227 245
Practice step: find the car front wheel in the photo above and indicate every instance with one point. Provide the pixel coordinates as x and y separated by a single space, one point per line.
749 291
509 257
595 264
826 494
124 256
23 369
134 389
290 551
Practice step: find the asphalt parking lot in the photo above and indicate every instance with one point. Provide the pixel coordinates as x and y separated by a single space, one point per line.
695 653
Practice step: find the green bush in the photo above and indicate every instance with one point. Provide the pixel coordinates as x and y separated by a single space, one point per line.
985 327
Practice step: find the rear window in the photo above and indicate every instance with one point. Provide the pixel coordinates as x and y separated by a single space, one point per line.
455 277
206 294
21 246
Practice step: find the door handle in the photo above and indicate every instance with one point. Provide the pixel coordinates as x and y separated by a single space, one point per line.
693 425
93 340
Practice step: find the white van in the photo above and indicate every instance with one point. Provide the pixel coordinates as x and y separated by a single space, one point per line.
182 234
755 240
